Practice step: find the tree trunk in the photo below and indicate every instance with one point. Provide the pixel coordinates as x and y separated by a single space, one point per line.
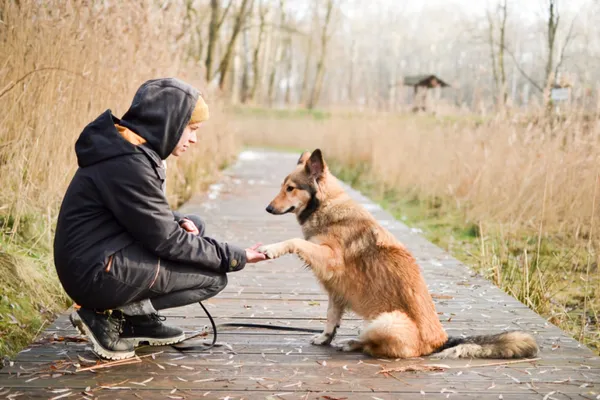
351 73
278 57
213 33
245 87
304 90
492 50
290 65
501 46
226 60
553 20
316 92
263 8
271 87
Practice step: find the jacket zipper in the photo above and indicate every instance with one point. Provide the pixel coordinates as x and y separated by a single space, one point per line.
109 263
155 275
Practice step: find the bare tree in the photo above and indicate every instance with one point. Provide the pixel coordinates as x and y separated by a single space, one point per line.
568 39
192 23
550 69
245 85
353 59
263 8
308 59
216 20
289 68
316 92
553 21
278 56
497 52
492 44
501 46
237 26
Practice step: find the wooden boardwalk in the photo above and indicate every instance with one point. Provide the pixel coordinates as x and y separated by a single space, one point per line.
255 364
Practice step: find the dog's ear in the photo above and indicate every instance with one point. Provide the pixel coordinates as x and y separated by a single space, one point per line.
315 166
303 157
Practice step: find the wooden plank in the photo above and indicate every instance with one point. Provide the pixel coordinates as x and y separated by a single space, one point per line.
298 382
546 368
260 393
179 372
252 347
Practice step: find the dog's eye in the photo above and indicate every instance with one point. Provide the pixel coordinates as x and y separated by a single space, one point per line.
289 188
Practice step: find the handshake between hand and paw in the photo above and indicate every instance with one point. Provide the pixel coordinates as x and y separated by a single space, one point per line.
259 252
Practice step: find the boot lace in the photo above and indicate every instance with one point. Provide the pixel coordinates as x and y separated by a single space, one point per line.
116 320
157 317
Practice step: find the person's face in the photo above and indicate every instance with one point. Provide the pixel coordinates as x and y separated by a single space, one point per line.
187 139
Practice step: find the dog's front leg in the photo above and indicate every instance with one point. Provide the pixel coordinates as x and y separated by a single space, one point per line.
315 255
335 311
277 250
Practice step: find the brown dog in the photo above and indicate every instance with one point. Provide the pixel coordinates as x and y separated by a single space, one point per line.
365 269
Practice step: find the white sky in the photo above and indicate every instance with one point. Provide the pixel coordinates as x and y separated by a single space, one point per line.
527 9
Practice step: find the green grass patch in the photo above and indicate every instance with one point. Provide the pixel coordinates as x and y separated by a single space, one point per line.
425 120
30 293
280 113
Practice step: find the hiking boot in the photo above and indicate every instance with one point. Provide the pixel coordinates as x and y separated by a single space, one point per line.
149 328
103 329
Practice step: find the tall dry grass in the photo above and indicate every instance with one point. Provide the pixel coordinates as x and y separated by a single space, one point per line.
63 63
530 187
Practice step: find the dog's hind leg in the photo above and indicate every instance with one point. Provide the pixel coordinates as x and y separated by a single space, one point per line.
335 310
392 335
350 345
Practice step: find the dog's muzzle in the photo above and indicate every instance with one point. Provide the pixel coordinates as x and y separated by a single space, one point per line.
271 210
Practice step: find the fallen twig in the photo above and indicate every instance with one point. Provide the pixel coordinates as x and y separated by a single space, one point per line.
443 367
500 363
134 360
398 379
415 368
110 364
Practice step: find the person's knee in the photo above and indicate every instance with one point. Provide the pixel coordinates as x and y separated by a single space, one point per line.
198 222
217 284
220 283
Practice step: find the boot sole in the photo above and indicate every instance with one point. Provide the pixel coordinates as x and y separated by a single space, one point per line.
96 346
158 342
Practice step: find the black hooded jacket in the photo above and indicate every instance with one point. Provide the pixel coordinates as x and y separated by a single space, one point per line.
116 196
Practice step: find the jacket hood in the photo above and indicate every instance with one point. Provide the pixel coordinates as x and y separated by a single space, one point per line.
100 141
160 111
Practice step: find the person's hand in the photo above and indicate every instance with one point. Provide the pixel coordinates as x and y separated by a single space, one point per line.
253 256
189 226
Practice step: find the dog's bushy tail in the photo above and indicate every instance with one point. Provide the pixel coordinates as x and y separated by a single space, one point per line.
513 344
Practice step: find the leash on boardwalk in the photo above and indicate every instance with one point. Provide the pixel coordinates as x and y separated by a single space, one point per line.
189 346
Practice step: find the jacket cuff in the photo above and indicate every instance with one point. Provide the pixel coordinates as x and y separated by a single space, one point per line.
177 216
237 259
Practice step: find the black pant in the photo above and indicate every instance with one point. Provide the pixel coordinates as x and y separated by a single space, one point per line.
136 274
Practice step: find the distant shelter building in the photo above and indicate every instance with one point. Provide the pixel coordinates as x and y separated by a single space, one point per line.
421 85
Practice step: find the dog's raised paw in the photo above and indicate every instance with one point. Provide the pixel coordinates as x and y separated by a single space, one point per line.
267 251
272 251
323 339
